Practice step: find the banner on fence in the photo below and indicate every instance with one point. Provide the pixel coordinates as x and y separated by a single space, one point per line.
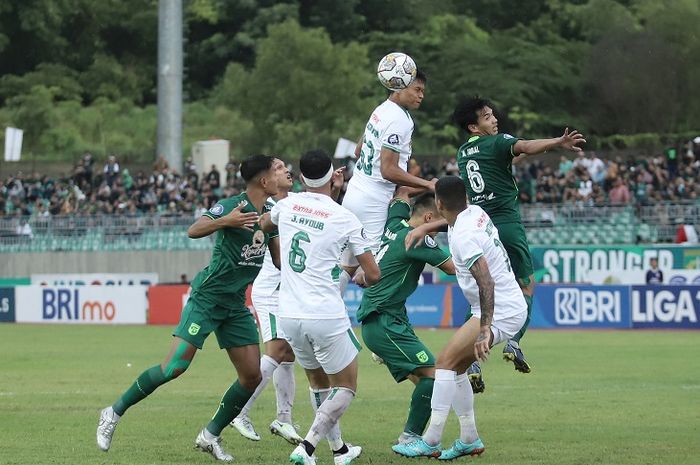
165 303
665 306
572 264
95 279
430 305
7 304
638 277
576 306
588 306
81 304
554 306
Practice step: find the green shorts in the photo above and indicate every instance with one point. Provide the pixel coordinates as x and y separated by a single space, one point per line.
515 241
394 341
234 327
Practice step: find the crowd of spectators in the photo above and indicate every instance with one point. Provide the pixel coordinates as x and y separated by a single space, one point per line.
590 180
112 189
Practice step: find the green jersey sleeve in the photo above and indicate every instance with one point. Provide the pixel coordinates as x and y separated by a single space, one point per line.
222 208
428 252
503 148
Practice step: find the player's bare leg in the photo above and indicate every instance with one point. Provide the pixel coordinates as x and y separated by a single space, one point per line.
451 390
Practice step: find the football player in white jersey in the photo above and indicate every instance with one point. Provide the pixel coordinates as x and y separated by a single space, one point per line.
499 311
278 361
382 158
314 230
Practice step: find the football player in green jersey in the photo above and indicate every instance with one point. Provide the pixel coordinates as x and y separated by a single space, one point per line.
216 304
385 326
485 163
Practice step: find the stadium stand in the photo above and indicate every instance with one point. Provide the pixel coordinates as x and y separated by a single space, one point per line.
588 200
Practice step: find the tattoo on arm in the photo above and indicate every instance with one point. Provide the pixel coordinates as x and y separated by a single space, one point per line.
480 271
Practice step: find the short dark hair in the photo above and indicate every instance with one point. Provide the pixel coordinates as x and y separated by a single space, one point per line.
423 202
451 192
255 165
314 164
420 76
467 111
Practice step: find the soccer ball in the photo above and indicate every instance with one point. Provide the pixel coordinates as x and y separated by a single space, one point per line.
396 71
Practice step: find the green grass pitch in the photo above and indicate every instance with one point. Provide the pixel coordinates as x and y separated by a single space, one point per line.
604 397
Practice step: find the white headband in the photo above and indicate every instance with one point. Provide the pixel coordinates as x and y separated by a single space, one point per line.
319 182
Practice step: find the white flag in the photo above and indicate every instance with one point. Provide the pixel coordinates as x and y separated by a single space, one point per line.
13 143
345 148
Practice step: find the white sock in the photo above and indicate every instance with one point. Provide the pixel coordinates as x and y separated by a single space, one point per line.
343 281
268 365
335 439
443 393
328 415
463 405
285 388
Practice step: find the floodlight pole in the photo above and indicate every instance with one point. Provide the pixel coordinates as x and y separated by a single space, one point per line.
170 82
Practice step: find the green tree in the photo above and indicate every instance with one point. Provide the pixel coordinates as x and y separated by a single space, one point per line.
34 113
222 32
301 90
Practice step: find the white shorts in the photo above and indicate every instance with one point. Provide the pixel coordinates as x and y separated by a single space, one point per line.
372 211
327 344
266 308
504 329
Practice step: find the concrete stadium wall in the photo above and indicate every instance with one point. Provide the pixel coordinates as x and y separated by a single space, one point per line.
168 264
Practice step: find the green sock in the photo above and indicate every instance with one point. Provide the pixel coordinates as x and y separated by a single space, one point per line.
230 406
145 384
419 412
521 333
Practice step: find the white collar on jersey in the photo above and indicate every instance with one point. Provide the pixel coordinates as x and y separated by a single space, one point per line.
318 182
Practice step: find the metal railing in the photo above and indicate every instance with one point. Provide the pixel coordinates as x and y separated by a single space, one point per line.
103 232
660 220
165 231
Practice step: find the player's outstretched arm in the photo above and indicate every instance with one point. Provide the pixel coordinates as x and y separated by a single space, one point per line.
204 225
370 267
568 141
405 193
391 172
416 235
482 275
